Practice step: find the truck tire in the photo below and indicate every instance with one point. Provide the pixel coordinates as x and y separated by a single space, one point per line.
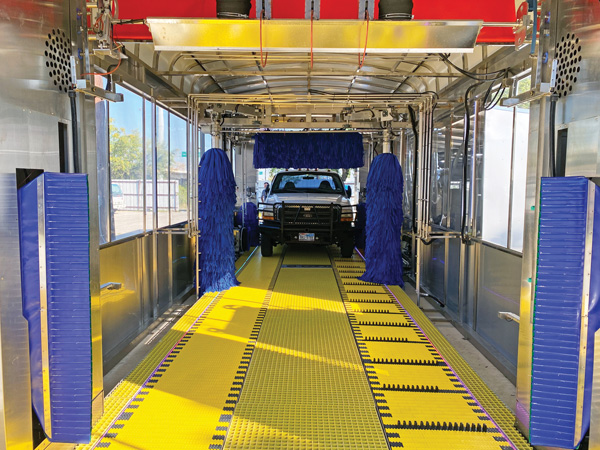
266 245
347 247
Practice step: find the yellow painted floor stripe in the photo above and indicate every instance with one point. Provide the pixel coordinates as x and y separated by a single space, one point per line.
306 387
194 381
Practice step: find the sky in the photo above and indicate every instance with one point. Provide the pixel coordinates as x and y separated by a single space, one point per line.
129 115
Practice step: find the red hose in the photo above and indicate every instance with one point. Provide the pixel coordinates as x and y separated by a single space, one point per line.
262 63
312 16
361 62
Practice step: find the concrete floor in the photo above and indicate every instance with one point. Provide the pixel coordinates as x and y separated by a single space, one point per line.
497 382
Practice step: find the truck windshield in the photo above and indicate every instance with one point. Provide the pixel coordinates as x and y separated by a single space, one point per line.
307 182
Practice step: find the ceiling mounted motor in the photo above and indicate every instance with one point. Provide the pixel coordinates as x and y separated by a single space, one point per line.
395 9
233 9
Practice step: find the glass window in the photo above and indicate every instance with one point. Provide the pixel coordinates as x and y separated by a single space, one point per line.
306 182
162 172
498 147
178 189
439 178
506 141
126 165
455 171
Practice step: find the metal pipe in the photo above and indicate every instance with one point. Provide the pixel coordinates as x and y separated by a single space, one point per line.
500 24
472 192
144 174
74 131
188 154
418 270
215 131
387 142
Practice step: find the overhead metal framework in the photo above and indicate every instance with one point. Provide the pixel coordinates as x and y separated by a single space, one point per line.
323 99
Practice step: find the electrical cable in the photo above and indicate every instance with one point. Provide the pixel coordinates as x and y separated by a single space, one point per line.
497 98
495 75
364 56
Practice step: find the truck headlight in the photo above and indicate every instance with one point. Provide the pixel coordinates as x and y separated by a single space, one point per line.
265 215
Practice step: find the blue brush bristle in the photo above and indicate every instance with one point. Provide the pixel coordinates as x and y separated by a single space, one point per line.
384 222
216 202
361 223
312 150
251 223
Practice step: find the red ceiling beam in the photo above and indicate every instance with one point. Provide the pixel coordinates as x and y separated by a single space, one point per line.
495 11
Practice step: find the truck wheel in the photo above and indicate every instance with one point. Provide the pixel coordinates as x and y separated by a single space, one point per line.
266 245
347 248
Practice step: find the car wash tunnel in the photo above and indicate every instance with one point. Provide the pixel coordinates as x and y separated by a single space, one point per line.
299 224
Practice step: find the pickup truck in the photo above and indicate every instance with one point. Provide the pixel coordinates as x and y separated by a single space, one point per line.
307 207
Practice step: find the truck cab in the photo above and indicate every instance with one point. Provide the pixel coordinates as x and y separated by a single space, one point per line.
307 207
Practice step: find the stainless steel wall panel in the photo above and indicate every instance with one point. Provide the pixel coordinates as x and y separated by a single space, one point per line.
146 278
528 271
582 148
433 268
121 309
15 408
575 20
498 290
89 164
35 47
182 264
453 267
29 139
471 301
163 273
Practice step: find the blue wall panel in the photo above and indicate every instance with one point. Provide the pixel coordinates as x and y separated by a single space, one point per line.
64 219
560 290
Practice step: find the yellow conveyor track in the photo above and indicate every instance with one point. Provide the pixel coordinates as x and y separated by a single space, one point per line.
303 355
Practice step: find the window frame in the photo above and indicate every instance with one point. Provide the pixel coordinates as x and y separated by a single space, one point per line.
149 107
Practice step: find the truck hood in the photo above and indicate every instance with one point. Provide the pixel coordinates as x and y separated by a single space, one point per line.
308 198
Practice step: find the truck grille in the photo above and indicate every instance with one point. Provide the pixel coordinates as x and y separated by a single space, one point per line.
308 214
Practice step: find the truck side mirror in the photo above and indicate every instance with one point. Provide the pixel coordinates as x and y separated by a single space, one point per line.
349 191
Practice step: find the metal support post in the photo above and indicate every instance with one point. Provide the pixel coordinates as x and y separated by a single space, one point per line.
387 141
215 131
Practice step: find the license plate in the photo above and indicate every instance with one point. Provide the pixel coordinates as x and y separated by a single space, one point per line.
306 237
